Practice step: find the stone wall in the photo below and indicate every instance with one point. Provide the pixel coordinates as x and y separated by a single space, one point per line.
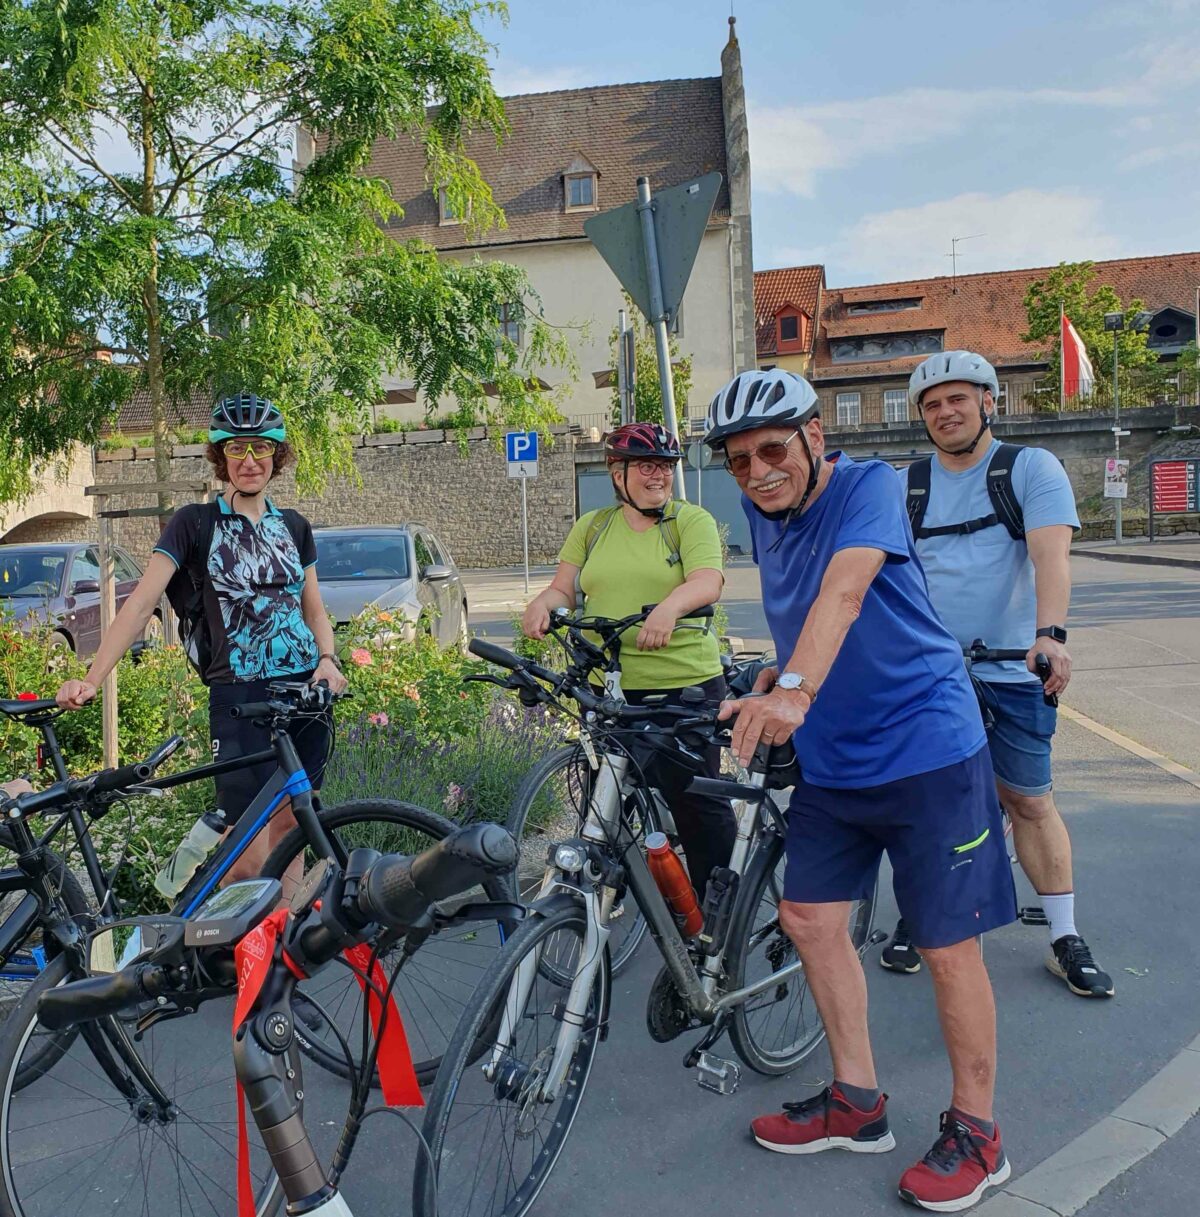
467 499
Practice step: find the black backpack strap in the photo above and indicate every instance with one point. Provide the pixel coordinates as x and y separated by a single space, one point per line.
1000 490
917 498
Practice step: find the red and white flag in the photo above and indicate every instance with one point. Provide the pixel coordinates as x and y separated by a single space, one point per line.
1078 376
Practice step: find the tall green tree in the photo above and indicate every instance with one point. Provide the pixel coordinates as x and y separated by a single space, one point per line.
1073 286
647 394
157 234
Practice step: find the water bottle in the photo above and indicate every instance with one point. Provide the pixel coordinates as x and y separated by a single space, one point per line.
674 884
190 853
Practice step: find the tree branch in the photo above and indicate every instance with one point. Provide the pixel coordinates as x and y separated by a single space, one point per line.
66 144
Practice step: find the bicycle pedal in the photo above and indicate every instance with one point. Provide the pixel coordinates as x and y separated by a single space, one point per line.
1031 914
717 1074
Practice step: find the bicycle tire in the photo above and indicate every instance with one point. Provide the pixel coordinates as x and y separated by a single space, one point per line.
435 983
76 907
73 1109
555 793
562 914
761 1029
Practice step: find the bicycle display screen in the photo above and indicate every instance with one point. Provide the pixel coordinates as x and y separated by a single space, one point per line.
231 913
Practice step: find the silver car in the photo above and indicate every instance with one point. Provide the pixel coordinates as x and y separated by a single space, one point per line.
403 569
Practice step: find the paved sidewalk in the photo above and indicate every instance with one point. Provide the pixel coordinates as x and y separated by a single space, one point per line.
1170 551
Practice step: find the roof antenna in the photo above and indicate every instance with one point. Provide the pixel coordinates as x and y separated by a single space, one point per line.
953 256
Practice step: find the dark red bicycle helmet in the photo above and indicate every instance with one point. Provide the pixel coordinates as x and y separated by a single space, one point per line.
641 441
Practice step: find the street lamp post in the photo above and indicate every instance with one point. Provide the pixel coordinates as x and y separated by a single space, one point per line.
1115 322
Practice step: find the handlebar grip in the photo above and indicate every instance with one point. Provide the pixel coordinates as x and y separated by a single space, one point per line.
398 890
123 775
252 709
494 654
83 1000
1044 670
705 611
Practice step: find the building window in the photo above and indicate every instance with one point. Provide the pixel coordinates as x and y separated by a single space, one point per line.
895 405
789 329
849 409
446 211
508 323
883 306
872 348
580 190
1002 399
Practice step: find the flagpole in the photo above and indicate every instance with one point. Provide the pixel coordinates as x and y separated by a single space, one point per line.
1062 360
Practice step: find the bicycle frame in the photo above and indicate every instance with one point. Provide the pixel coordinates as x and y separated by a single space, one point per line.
698 986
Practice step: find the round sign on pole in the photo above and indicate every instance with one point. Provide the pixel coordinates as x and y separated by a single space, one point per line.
699 455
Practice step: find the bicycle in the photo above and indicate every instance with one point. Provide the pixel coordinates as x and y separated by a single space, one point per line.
239 940
551 801
432 994
501 1125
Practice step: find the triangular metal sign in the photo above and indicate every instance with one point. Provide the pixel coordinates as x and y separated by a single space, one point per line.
681 215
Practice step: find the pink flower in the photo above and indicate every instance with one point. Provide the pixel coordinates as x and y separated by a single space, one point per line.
360 656
379 719
454 797
412 693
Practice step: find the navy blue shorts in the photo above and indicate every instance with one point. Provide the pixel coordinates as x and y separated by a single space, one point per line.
942 832
1020 740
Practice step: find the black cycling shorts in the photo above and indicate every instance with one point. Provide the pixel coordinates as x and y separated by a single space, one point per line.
232 737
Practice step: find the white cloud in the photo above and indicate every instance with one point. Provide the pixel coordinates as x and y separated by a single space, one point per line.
1025 227
791 145
510 79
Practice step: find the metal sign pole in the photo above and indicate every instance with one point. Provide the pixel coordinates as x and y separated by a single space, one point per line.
525 529
658 318
108 610
623 393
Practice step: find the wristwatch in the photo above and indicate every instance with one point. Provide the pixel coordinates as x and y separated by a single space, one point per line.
333 659
793 680
1052 631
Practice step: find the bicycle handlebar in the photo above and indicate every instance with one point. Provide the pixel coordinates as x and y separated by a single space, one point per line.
978 653
398 890
287 700
97 996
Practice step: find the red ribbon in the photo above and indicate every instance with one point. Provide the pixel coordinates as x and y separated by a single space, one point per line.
253 957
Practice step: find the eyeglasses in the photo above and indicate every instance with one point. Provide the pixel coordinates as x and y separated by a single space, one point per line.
650 468
260 449
773 452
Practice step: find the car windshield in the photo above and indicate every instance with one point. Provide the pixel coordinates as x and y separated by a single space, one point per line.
344 556
30 572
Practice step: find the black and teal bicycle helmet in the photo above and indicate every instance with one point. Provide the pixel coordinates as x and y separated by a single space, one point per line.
246 416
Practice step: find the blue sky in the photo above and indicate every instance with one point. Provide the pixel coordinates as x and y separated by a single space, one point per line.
880 130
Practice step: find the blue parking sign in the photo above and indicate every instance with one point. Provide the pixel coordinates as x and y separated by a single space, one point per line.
521 445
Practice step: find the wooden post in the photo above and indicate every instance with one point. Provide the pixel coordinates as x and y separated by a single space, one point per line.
108 610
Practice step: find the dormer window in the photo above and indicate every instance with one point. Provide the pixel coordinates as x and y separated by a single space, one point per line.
791 330
580 185
446 210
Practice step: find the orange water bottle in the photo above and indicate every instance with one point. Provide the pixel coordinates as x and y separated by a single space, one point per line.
674 884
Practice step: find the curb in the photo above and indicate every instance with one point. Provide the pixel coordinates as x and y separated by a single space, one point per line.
1073 1176
1137 559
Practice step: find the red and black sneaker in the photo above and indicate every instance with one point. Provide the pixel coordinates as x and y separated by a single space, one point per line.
826 1121
960 1167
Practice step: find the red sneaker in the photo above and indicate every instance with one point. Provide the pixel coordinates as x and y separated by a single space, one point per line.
826 1121
960 1167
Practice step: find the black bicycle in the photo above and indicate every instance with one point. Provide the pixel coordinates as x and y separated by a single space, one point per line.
65 1143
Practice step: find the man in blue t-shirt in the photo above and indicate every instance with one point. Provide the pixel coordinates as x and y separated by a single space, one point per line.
1013 593
872 692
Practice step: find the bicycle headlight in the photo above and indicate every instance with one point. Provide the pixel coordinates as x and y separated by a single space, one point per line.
568 857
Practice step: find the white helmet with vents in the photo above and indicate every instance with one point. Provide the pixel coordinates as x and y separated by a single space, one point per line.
758 398
946 366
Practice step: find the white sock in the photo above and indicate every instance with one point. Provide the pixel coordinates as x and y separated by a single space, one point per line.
1060 912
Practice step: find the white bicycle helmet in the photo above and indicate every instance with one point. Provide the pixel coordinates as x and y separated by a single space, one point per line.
760 399
946 366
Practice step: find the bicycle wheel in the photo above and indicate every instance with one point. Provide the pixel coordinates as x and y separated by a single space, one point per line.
22 965
72 1144
494 1142
550 806
776 1029
435 984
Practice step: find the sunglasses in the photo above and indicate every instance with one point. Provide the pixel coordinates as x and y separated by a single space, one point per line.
773 452
238 450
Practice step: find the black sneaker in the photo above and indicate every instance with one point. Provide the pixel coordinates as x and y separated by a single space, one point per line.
900 955
1072 961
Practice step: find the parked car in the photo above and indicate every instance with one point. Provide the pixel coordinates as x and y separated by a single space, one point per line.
403 569
59 585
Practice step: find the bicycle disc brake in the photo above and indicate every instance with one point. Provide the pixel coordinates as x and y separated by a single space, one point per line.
667 1014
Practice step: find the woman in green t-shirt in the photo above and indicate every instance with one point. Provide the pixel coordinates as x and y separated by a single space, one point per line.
653 550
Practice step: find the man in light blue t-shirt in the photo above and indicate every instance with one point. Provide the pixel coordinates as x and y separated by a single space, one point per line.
1012 592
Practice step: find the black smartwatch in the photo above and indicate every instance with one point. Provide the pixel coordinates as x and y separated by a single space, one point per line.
1052 631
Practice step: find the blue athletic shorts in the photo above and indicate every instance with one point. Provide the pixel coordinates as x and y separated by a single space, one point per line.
942 832
1020 740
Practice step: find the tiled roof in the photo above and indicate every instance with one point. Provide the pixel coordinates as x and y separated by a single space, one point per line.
984 312
667 130
189 414
797 285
